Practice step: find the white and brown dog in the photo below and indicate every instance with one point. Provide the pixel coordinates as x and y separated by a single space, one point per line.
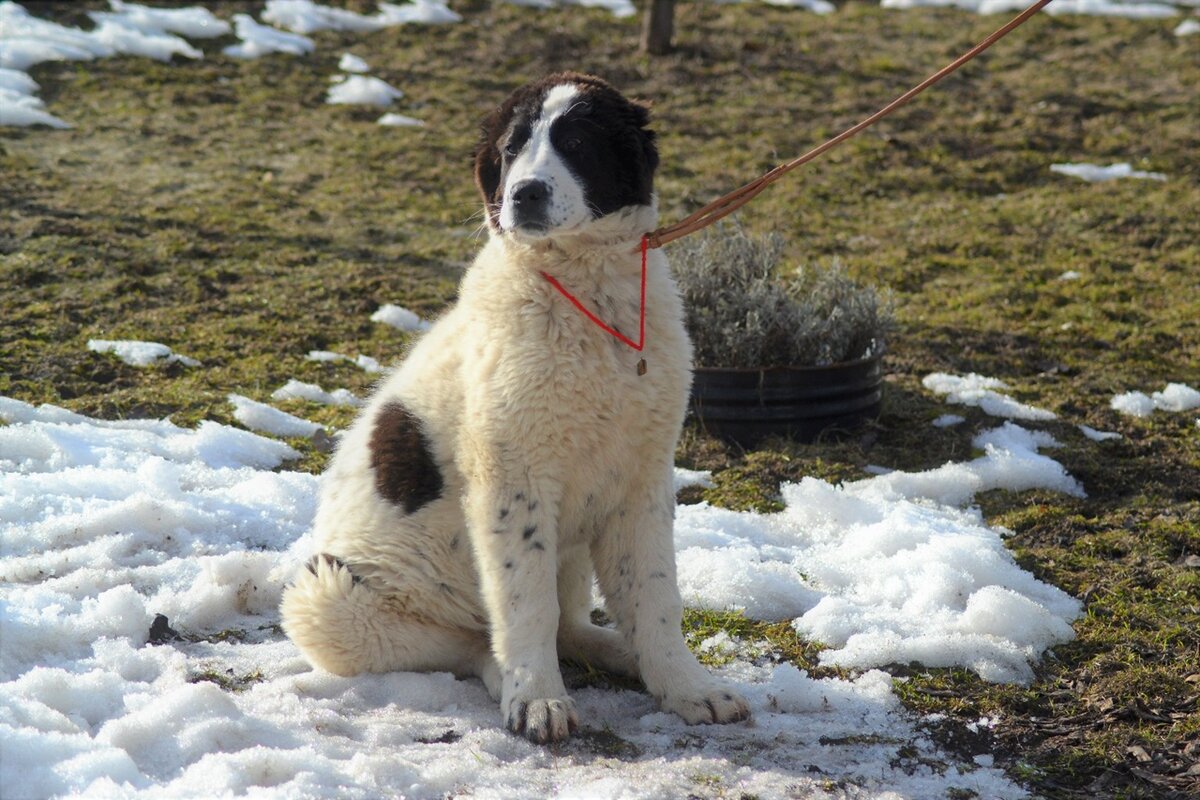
518 450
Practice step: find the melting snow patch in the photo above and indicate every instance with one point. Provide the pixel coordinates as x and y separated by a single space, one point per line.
977 390
815 6
298 390
399 317
305 16
103 525
948 421
692 477
139 354
399 121
363 90
1174 397
263 418
367 363
1098 436
194 23
1093 172
1070 275
259 40
352 63
1189 27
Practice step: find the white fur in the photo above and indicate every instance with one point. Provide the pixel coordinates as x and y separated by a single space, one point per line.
539 160
538 420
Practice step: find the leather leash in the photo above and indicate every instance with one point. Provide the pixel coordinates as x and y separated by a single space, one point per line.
727 204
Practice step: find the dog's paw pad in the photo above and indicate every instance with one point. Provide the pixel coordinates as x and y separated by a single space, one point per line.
543 721
713 705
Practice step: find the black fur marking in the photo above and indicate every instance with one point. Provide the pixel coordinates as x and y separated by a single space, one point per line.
537 546
519 496
603 139
533 504
508 565
454 543
405 472
503 513
658 574
530 531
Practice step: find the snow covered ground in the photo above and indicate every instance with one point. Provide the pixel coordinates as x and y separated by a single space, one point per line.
104 525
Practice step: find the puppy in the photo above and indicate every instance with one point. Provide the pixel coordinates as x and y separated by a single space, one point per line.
520 448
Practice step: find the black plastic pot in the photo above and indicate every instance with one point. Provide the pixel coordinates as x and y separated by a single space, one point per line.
747 405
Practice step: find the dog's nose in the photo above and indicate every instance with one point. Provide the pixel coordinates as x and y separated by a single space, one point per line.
530 197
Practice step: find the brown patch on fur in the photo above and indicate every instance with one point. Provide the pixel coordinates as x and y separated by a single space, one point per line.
405 472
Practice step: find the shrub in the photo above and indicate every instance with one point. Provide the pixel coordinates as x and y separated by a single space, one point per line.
742 311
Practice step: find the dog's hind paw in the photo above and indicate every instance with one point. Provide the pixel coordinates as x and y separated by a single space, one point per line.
713 704
542 721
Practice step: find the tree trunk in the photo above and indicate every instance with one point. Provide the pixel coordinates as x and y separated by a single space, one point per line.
658 27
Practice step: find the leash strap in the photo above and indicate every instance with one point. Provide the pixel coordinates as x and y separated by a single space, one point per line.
640 343
727 204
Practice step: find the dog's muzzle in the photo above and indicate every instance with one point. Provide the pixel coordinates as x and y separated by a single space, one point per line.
530 205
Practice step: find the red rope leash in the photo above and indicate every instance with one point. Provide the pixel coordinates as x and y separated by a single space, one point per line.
640 343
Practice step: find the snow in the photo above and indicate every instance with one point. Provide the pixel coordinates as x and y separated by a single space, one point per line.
363 90
258 40
815 6
105 524
394 120
1098 436
948 421
399 317
1093 172
1189 27
1069 275
305 16
139 354
978 390
367 363
692 477
194 23
889 569
299 390
1173 397
263 418
352 63
1176 397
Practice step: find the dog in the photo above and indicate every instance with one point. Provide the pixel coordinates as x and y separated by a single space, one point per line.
519 450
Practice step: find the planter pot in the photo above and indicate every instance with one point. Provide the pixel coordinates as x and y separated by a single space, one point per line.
747 405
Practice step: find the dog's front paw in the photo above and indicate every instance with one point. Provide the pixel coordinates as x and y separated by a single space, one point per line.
710 704
542 721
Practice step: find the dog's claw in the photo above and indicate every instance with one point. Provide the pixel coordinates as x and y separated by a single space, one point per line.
543 721
714 705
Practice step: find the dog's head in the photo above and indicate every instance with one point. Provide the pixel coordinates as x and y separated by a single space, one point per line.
561 152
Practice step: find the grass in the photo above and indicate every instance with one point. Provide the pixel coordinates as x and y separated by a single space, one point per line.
220 207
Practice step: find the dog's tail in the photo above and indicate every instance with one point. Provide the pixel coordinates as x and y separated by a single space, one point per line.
343 626
335 620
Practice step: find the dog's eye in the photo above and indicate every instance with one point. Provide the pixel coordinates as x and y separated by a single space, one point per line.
572 144
510 150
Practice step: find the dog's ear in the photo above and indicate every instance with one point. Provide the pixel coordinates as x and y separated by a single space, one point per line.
487 165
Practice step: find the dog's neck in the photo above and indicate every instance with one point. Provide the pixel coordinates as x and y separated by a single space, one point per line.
616 234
